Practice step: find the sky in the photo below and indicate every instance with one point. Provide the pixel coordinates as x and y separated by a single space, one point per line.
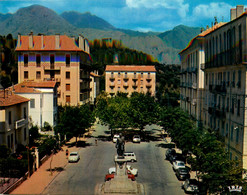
140 15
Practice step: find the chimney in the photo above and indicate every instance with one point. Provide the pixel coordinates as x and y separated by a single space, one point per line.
233 14
31 40
19 40
240 10
57 41
42 41
81 42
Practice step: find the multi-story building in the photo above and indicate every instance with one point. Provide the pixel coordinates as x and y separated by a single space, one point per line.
192 77
58 58
94 86
129 79
225 91
43 101
13 120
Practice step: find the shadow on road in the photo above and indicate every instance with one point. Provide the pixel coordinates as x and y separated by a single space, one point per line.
81 144
58 169
164 145
103 138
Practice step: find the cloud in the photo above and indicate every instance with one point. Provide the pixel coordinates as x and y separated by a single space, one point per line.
178 5
211 10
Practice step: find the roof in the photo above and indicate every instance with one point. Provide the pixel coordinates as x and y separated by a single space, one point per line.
66 43
203 34
10 99
29 86
130 68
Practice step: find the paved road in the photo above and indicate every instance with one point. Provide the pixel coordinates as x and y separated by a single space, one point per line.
81 178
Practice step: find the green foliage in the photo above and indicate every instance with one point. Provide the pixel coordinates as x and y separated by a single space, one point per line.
47 126
125 112
47 146
74 120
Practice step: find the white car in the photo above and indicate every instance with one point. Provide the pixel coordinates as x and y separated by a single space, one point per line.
136 139
132 170
115 137
178 164
74 157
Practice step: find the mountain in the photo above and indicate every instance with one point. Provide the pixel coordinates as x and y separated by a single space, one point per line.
37 19
162 46
86 20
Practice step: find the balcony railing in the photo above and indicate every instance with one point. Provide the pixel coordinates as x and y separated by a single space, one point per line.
148 85
20 123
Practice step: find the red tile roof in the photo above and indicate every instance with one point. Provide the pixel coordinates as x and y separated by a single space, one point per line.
11 99
39 84
203 34
130 68
66 43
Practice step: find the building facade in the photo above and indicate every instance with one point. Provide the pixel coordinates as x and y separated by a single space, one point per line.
94 87
13 120
58 58
129 79
43 101
225 90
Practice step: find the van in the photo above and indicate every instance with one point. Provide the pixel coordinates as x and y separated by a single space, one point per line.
130 156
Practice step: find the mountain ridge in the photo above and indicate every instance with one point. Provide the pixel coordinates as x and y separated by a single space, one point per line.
163 46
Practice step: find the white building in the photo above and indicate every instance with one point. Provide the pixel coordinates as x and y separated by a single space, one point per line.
43 101
94 86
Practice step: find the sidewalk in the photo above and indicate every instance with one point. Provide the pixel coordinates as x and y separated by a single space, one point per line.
41 178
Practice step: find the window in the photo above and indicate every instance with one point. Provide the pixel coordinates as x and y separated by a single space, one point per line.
52 59
10 119
24 113
118 89
228 79
25 134
239 79
119 74
38 60
226 129
233 79
32 103
67 87
141 74
237 134
119 82
67 75
232 109
25 60
238 108
67 60
25 74
231 133
67 98
38 75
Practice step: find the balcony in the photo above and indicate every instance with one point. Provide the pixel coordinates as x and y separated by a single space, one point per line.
125 85
20 123
112 78
194 85
112 84
135 79
134 85
125 78
52 67
148 85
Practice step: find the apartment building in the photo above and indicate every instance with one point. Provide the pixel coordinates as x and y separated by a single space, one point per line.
94 86
58 58
129 79
43 101
224 99
13 120
192 76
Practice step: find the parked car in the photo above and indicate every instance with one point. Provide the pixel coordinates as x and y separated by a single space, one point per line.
136 139
190 186
182 173
115 137
178 164
169 153
74 157
130 156
129 169
108 177
176 157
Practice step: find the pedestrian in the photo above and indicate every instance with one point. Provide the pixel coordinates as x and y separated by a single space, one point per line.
96 141
67 153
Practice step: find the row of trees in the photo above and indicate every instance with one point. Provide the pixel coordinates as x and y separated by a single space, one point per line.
209 159
122 112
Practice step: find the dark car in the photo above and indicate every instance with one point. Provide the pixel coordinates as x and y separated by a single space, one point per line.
169 153
175 157
182 173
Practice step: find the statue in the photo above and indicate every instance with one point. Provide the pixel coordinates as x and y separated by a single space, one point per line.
120 145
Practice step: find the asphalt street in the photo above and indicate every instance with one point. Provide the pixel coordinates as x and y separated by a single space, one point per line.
82 177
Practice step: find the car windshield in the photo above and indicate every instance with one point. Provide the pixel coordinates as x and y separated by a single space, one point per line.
136 136
183 170
180 164
73 154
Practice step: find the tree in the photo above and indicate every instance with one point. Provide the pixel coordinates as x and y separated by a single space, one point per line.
74 120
